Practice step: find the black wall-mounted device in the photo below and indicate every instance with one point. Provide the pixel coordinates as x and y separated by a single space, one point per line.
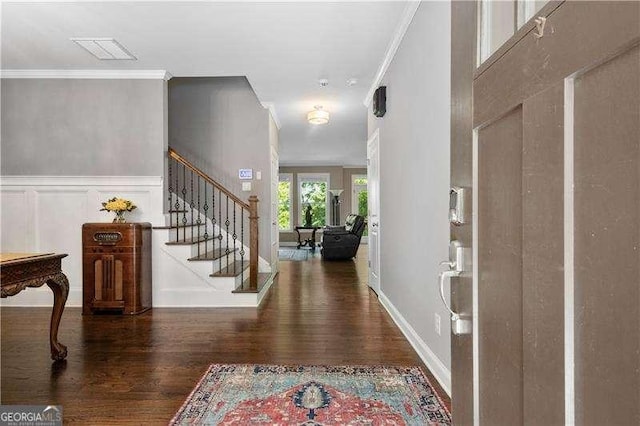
380 101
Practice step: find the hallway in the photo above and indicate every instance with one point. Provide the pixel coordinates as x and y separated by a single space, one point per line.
140 369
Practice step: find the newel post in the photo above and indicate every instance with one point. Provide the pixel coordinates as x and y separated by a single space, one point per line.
253 242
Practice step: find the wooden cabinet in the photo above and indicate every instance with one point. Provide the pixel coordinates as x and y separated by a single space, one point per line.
116 263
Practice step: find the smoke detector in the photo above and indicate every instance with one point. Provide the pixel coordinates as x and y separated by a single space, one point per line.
323 82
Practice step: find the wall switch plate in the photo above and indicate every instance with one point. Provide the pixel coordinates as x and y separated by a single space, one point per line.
259 175
246 186
436 323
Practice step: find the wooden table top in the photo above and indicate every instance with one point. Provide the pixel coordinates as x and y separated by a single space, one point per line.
11 258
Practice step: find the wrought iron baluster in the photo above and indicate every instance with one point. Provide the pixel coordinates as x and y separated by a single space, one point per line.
184 202
213 220
205 208
219 227
235 237
177 204
192 206
226 224
199 221
241 246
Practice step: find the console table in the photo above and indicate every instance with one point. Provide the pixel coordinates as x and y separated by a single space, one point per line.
311 242
21 270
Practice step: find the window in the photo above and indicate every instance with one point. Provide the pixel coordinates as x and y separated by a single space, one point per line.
359 200
285 195
527 9
313 189
500 19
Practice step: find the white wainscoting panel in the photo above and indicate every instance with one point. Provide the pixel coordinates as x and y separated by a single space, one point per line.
14 217
45 214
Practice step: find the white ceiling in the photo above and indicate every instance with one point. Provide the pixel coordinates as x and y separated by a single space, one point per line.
282 48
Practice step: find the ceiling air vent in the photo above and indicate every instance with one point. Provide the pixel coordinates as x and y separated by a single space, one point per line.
104 48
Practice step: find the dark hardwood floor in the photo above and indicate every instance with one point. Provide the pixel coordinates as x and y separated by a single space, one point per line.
140 369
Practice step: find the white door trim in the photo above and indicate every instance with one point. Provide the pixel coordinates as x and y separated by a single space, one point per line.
375 136
274 180
569 284
475 281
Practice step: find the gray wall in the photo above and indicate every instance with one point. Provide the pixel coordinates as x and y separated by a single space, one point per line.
414 174
340 178
83 127
218 124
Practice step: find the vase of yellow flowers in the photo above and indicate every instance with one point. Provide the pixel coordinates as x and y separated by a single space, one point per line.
118 206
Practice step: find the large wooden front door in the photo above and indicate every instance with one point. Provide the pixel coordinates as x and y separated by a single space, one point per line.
555 137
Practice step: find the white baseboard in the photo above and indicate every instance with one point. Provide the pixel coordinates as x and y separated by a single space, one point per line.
437 367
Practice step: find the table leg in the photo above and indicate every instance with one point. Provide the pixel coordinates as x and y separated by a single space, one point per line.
59 284
299 240
313 241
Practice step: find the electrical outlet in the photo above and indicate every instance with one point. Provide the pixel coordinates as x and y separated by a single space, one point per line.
436 323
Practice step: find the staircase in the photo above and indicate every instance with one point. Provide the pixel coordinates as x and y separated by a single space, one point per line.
214 235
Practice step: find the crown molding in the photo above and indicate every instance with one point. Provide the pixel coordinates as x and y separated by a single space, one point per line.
272 110
407 16
89 74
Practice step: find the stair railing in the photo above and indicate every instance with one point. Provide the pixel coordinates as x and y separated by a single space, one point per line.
205 213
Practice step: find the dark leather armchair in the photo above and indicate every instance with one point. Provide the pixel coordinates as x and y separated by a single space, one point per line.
342 242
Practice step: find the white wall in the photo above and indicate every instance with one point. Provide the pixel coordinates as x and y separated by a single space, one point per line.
414 183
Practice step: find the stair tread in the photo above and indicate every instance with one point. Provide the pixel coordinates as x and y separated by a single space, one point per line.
263 278
190 241
188 225
233 270
212 255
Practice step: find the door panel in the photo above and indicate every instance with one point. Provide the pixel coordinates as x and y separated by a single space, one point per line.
543 257
607 242
557 220
500 270
575 38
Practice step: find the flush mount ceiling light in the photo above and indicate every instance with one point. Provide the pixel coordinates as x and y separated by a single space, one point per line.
318 115
104 48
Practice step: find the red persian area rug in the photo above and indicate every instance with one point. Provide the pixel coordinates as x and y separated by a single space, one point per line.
312 395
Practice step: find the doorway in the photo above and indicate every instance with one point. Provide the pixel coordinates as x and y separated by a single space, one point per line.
360 202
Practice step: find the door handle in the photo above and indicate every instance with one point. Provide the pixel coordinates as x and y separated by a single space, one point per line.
441 277
460 323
